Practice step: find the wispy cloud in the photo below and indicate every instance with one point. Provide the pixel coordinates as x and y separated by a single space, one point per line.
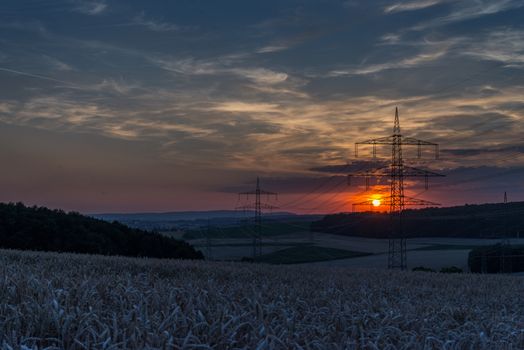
113 85
272 48
33 75
405 63
190 66
57 64
245 107
504 45
411 5
91 8
466 10
157 25
260 75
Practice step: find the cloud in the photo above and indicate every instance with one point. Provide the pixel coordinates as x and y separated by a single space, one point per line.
28 26
350 167
261 75
411 5
466 10
191 66
157 25
188 66
245 107
504 45
57 64
272 48
409 62
473 152
91 8
111 85
33 75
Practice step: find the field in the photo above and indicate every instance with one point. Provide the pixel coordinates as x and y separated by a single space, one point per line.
88 302
357 252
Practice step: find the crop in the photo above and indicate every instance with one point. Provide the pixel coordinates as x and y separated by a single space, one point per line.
51 300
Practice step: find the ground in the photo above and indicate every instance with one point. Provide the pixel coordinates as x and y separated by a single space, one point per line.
52 301
434 253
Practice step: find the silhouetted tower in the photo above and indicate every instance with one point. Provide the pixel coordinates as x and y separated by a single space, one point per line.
396 171
209 251
257 207
505 260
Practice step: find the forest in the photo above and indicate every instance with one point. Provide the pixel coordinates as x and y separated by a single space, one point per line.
467 221
43 229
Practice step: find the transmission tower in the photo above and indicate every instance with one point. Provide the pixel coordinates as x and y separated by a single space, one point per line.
209 244
505 260
396 171
257 207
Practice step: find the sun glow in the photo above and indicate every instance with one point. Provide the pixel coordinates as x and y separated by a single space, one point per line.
376 202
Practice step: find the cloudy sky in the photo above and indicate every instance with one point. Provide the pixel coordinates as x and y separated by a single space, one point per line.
177 105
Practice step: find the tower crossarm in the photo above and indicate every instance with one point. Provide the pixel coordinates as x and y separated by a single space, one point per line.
416 142
407 201
419 202
388 140
408 171
387 171
259 191
367 174
254 207
416 172
380 171
410 141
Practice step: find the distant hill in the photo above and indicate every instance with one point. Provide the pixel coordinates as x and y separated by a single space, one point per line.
483 220
38 228
194 219
183 215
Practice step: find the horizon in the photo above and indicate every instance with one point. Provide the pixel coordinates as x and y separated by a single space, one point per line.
126 107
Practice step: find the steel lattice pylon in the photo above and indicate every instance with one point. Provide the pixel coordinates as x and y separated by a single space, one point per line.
257 207
396 171
397 243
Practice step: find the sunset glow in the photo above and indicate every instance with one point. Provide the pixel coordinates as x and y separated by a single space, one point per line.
376 202
114 124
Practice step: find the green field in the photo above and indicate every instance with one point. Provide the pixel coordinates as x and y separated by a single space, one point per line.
448 247
269 229
304 254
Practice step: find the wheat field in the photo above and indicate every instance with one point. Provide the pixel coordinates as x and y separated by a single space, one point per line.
65 301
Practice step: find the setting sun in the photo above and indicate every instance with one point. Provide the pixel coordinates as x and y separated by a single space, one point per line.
375 202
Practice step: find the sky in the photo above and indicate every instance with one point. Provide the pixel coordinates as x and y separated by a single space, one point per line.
143 106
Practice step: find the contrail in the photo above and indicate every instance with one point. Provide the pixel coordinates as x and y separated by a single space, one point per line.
37 76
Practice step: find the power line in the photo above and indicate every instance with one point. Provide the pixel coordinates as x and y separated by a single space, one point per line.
257 206
396 171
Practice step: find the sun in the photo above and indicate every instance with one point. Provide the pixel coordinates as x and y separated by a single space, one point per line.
375 202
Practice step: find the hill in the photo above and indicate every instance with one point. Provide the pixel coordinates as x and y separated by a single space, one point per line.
184 215
66 301
471 221
191 219
38 228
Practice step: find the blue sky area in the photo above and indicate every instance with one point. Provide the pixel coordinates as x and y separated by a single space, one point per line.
175 105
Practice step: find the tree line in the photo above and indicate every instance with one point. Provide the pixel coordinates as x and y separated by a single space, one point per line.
43 229
471 221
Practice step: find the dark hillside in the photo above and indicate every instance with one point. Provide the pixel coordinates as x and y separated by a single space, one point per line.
38 228
482 221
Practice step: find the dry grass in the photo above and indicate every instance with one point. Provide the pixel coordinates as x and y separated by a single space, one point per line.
83 302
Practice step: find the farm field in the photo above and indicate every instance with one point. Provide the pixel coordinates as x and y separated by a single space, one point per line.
54 301
434 253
